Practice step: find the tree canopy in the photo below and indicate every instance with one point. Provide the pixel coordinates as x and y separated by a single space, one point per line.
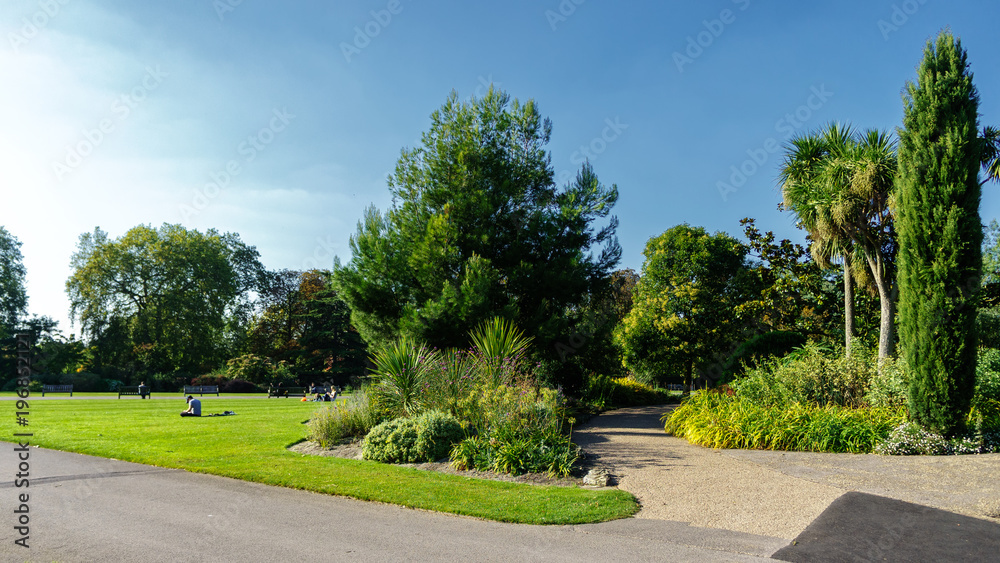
305 323
478 229
686 312
13 297
158 300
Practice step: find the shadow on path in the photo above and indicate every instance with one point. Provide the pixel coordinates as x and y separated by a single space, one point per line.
864 527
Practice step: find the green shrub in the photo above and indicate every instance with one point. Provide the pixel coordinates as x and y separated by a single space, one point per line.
812 375
257 369
499 348
988 374
428 437
604 392
889 386
519 429
507 451
722 421
760 347
352 417
988 326
210 379
84 382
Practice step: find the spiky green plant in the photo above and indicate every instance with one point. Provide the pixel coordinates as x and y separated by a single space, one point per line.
402 373
499 348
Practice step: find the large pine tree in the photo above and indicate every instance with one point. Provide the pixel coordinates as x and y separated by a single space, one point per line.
939 236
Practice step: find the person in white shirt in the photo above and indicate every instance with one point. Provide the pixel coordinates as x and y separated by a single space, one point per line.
194 407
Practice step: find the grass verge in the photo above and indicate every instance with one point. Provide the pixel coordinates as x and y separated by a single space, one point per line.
252 446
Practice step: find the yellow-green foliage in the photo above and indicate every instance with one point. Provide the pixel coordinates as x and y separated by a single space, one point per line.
524 407
722 421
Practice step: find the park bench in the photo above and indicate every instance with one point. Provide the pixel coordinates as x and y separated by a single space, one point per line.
57 389
130 390
286 392
201 390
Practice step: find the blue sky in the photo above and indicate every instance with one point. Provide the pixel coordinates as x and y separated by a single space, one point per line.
281 120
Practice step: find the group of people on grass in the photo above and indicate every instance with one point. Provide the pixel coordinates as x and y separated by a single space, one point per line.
320 395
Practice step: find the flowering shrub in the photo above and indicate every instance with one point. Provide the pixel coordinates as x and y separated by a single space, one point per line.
352 417
911 439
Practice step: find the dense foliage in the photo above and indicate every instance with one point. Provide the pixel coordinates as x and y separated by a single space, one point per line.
510 423
304 323
13 298
687 305
478 229
940 236
161 300
426 437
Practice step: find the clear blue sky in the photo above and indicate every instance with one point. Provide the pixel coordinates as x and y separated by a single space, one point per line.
308 104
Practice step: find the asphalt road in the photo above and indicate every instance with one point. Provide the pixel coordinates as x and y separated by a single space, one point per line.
83 508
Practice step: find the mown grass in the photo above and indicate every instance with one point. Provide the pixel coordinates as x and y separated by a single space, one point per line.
252 446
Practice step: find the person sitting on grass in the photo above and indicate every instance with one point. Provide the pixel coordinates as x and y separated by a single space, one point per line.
194 407
331 395
143 390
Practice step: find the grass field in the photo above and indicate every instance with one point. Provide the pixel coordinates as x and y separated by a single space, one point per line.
252 446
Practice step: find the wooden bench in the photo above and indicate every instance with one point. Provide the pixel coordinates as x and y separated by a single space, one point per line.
286 392
133 390
57 389
201 390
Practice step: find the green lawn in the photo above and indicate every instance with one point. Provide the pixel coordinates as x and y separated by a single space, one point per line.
252 446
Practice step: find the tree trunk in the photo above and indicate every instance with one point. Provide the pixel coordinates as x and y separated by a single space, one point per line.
887 302
688 377
848 305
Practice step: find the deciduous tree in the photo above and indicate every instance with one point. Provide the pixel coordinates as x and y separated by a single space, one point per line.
685 310
157 300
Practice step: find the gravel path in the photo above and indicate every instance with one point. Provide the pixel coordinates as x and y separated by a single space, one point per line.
771 493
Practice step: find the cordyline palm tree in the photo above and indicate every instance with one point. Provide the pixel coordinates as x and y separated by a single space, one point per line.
990 138
807 193
864 209
838 183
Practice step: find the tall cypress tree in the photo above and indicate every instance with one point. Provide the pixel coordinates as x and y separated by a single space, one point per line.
939 236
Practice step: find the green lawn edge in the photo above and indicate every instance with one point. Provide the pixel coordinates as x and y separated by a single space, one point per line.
252 446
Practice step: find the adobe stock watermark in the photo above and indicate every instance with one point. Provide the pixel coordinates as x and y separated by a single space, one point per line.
364 34
248 150
900 15
786 126
563 11
613 130
22 518
32 25
223 7
484 86
120 110
696 44
323 253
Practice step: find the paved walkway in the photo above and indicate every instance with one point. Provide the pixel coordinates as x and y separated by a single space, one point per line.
698 505
786 494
